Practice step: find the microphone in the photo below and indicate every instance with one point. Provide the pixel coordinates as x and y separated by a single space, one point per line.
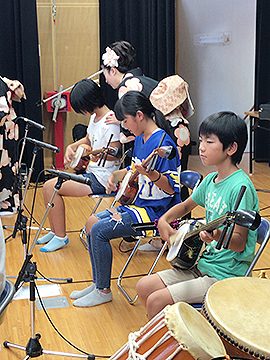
70 176
44 145
31 123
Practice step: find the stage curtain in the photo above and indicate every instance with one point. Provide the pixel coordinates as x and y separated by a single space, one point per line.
20 60
149 25
262 79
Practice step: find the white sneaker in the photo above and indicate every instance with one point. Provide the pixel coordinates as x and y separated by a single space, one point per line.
152 245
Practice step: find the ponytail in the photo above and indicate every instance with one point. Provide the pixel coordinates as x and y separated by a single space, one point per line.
134 101
164 124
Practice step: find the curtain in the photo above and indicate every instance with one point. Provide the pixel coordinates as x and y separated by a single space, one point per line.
262 79
149 25
20 60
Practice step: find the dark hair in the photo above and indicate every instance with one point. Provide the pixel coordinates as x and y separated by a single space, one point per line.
229 128
134 101
85 96
126 53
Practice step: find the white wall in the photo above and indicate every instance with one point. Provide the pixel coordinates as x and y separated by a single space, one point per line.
220 77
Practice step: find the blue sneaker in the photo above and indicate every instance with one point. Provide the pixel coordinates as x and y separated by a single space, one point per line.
55 243
46 238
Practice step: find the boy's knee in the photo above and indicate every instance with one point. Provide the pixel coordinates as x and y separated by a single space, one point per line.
141 288
154 305
90 222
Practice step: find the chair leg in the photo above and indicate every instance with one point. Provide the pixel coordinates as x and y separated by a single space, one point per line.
120 277
97 205
83 232
120 287
160 253
83 237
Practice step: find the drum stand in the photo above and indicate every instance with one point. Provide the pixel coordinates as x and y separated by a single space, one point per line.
28 273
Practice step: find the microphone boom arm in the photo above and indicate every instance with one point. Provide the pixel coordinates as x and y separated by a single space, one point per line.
44 101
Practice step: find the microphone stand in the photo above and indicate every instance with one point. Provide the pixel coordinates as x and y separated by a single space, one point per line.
21 220
28 273
20 183
26 130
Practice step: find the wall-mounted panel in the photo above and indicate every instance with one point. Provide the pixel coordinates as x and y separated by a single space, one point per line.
69 51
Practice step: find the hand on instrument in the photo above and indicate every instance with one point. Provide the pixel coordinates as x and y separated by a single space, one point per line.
165 230
209 236
141 169
95 157
111 119
69 154
126 139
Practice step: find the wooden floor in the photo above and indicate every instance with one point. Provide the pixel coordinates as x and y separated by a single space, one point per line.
103 329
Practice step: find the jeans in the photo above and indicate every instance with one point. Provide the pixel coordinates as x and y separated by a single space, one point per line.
107 228
95 186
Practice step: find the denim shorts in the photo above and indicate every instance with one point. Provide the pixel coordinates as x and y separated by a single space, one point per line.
95 186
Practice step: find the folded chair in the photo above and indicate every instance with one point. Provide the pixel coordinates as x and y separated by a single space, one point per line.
263 236
191 180
100 198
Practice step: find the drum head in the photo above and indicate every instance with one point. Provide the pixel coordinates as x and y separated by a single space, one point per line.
193 331
240 309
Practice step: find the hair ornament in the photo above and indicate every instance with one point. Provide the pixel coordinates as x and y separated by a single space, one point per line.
110 58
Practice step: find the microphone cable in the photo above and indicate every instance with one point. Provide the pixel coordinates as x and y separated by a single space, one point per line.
91 356
87 280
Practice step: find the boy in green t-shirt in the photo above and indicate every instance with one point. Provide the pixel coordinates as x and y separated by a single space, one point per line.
223 138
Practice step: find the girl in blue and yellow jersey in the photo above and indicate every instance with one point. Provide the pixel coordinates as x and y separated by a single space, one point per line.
158 190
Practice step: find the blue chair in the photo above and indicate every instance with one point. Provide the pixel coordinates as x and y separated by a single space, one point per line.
263 236
191 180
5 298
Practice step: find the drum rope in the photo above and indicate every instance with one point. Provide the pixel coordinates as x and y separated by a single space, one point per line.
160 325
134 345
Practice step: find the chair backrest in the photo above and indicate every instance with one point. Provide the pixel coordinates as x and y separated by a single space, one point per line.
263 235
6 297
191 179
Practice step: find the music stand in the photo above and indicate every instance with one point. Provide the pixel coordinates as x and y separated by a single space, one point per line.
28 273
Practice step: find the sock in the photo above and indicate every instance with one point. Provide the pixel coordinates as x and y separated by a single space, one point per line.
55 243
76 294
96 297
46 238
